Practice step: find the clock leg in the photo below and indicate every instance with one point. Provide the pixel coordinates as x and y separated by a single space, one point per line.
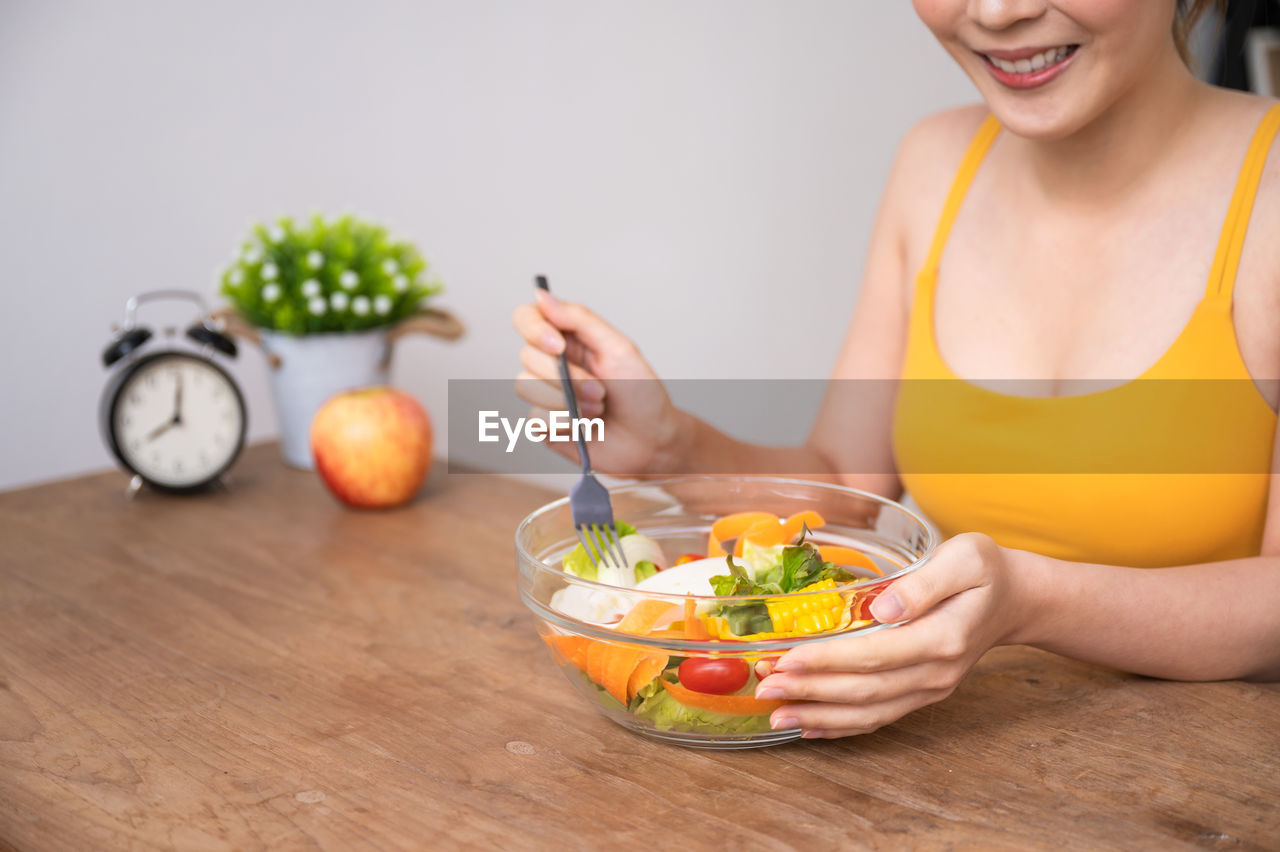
135 485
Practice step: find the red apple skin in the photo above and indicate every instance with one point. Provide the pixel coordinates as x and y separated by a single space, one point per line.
372 447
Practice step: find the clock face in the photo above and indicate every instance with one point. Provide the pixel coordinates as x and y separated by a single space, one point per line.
177 420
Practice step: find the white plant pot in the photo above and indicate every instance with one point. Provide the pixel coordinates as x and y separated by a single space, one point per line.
314 367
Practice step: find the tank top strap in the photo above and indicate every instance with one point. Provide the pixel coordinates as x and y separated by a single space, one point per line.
1226 260
973 157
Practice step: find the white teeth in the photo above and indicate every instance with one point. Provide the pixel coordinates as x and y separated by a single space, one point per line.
1039 62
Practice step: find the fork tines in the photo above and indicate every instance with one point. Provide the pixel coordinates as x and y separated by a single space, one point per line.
602 543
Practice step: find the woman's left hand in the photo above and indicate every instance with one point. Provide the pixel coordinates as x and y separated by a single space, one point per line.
960 604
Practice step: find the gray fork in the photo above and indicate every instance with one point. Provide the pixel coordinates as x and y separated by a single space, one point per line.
589 501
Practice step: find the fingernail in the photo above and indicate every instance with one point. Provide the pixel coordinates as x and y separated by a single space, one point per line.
591 389
887 607
770 694
548 297
590 408
811 735
785 665
552 342
779 723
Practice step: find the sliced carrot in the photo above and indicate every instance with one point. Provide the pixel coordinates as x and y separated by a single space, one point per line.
649 667
764 534
620 661
572 648
795 524
736 524
731 526
674 632
644 616
693 626
615 662
848 556
597 654
729 705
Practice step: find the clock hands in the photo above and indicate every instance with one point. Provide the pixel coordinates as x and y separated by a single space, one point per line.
177 400
176 419
161 429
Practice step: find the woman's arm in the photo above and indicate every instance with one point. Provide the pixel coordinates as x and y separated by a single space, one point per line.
1214 621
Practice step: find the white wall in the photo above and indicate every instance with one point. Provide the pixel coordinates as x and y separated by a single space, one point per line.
682 165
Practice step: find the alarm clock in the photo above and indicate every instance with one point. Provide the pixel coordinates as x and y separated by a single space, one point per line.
173 417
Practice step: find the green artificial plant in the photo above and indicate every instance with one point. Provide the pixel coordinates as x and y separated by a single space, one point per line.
326 275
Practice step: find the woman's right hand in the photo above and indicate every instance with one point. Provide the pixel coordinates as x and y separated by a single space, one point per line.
612 380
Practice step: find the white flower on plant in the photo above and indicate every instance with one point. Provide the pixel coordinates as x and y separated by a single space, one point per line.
382 304
311 288
360 305
338 301
401 283
271 292
252 255
317 306
276 234
236 277
270 272
315 259
349 279
390 266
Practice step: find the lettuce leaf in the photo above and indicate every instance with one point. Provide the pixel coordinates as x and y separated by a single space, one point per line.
578 563
801 565
667 714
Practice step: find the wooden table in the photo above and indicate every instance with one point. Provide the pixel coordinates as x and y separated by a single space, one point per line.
263 668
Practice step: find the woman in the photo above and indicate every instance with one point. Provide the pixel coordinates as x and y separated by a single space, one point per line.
1087 211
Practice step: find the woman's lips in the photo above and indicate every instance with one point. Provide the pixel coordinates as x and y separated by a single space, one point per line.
1028 68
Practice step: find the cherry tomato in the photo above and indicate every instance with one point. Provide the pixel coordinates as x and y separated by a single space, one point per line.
689 557
714 676
862 604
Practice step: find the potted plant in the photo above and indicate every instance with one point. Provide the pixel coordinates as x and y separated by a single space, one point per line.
326 299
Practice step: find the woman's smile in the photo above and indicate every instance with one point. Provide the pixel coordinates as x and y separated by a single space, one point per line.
1028 68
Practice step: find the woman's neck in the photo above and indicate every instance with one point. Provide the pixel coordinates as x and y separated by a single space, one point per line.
1108 158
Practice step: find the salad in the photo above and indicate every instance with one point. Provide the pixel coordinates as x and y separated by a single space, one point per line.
748 554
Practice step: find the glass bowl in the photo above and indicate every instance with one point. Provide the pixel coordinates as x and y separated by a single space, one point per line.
616 664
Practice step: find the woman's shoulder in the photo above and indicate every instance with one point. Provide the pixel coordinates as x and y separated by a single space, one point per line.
944 132
928 156
1256 288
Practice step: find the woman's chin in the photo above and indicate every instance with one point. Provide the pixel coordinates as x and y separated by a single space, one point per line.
1045 117
1044 121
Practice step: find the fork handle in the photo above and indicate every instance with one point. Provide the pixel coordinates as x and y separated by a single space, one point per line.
567 384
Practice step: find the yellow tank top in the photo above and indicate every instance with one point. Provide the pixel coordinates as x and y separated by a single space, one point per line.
1169 469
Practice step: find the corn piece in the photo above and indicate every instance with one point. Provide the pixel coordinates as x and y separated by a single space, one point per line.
802 614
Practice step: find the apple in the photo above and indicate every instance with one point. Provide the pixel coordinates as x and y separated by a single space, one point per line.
372 446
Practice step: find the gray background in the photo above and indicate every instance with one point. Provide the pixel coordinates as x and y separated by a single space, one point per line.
703 173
